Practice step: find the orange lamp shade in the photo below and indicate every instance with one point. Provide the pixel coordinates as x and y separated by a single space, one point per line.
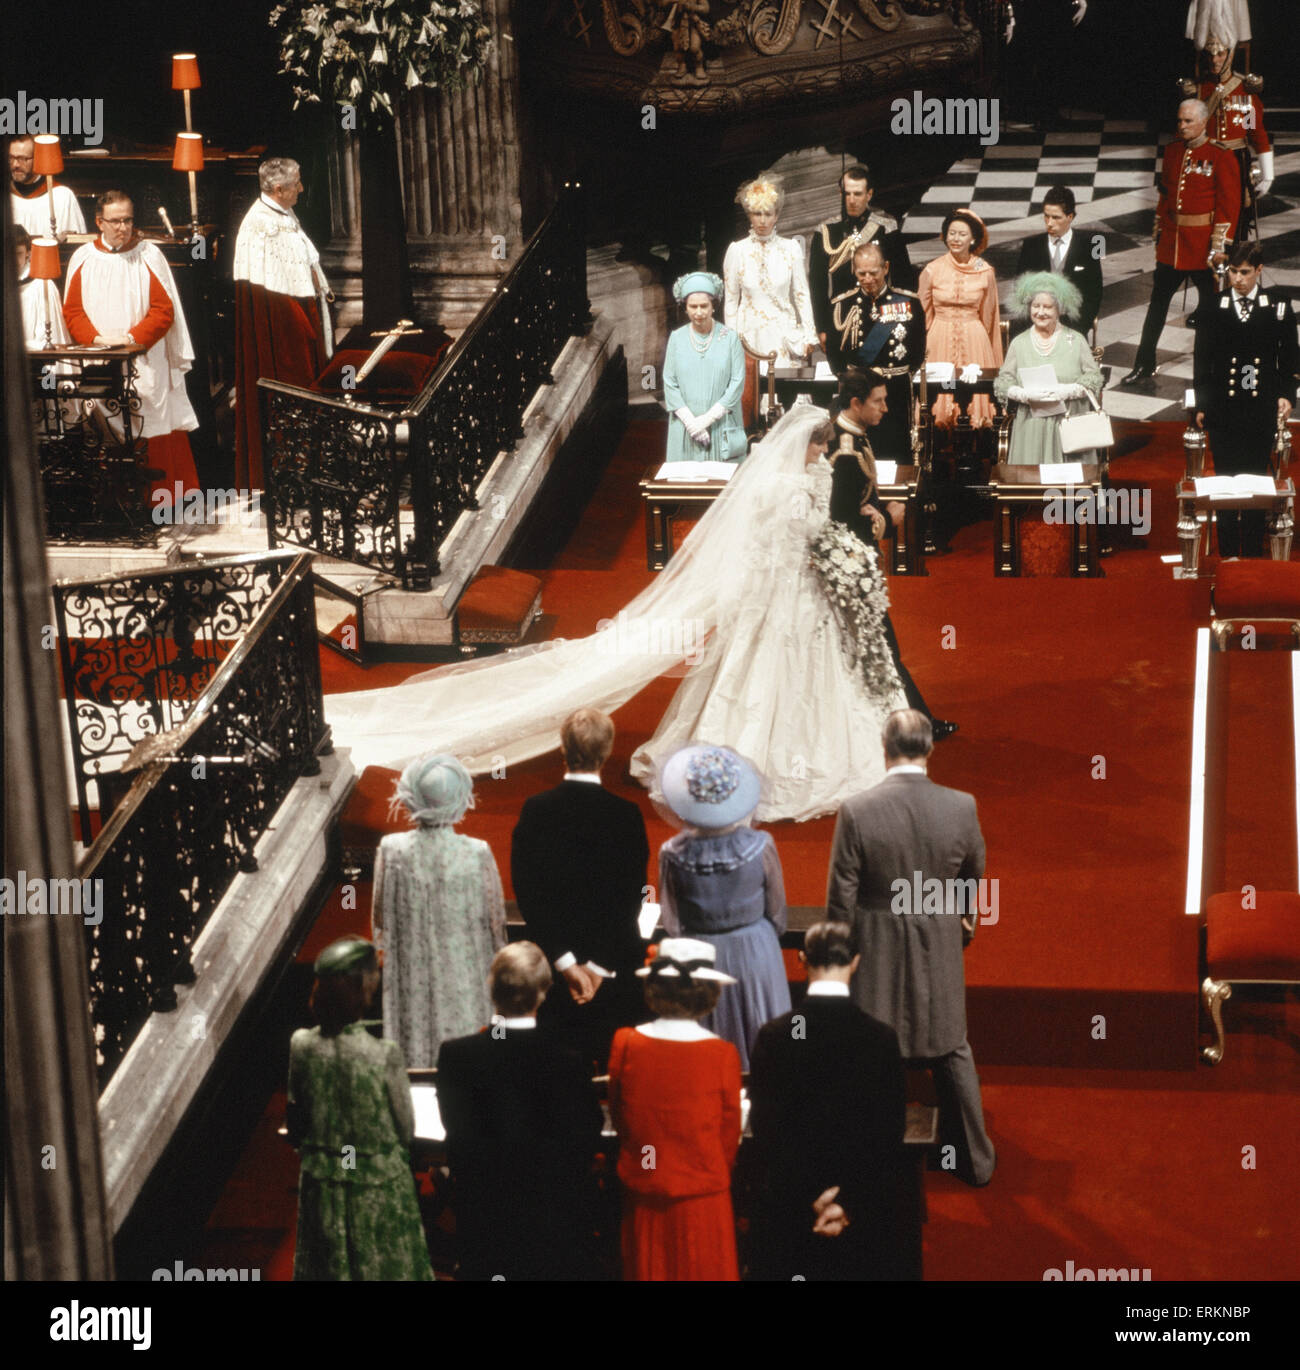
47 158
185 71
188 154
44 265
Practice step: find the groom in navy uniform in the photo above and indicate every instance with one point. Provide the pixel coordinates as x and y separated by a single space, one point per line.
578 865
1245 382
860 404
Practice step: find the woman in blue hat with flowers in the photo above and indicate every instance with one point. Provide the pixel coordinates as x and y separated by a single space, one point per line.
704 377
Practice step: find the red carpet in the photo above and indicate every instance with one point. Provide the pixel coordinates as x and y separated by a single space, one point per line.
1115 1148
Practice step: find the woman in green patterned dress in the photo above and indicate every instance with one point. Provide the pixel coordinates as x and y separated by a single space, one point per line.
351 1118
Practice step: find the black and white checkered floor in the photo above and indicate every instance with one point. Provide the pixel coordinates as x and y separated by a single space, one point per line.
1113 168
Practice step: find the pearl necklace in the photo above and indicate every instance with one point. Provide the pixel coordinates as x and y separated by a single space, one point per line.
708 342
1044 349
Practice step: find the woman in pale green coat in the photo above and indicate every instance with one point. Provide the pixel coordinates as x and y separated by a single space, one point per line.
704 378
1035 436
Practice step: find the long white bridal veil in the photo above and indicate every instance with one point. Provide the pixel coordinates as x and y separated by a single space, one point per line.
501 710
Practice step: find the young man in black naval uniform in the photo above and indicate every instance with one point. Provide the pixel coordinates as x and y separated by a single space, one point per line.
1245 381
860 404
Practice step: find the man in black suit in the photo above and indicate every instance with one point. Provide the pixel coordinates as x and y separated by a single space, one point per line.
1245 380
891 843
827 1113
860 404
523 1124
830 255
1076 256
578 864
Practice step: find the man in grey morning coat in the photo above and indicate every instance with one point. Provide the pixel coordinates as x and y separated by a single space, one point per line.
889 841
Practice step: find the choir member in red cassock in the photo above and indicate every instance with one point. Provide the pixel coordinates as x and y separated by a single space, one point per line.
282 320
30 197
119 291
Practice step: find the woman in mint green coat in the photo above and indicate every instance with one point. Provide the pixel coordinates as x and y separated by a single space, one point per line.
704 378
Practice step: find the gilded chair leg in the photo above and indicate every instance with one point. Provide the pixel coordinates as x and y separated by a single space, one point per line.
1214 992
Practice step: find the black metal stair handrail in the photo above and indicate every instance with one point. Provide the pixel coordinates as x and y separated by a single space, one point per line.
339 473
192 817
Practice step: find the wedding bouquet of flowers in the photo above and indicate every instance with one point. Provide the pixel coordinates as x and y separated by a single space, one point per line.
851 579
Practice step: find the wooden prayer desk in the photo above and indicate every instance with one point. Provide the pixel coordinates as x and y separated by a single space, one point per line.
663 500
905 488
1194 512
1020 489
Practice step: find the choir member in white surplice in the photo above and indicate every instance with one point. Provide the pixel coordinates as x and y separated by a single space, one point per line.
282 318
29 196
120 290
40 300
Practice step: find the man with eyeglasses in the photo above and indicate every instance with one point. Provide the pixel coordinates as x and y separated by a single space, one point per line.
28 196
120 291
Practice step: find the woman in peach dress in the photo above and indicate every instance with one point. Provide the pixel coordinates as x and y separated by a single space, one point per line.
959 293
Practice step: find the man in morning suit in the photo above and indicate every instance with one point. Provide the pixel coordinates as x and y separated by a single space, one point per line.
861 403
1245 382
1196 220
578 864
1076 256
827 1113
877 327
888 842
523 1124
830 255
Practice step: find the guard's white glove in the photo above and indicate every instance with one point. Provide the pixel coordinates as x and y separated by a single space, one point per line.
1265 161
1080 9
1019 394
692 425
711 416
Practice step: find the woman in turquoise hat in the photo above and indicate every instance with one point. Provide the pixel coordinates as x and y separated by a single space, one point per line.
704 377
350 1116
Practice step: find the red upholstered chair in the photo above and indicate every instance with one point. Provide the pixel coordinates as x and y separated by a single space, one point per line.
497 609
1259 946
1255 591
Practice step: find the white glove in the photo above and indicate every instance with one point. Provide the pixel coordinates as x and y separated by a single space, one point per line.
692 425
1265 163
1019 394
1072 390
701 439
970 373
1045 394
1080 9
711 416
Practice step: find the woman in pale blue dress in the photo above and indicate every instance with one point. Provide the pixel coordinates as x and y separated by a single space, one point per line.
1036 437
438 914
704 378
721 881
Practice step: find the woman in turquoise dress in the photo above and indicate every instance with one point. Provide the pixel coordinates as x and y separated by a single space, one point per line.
351 1118
1036 436
437 914
704 378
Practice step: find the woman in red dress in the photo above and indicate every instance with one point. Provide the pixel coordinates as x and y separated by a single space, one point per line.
674 1095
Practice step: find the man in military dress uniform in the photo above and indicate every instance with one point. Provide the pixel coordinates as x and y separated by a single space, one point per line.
860 404
1196 220
830 259
881 328
1245 380
1236 116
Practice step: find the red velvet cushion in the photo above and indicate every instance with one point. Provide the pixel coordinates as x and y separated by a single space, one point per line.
398 375
1256 588
497 600
1262 943
365 817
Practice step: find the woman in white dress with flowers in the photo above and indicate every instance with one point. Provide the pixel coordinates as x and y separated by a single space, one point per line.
767 301
794 672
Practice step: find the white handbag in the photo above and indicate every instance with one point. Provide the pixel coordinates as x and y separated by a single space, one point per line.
1086 432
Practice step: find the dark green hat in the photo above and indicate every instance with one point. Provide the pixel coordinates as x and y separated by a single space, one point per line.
344 955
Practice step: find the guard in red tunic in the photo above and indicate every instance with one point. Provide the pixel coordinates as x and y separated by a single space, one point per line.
1196 220
1236 116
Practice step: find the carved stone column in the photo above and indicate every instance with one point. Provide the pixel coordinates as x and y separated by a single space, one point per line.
460 167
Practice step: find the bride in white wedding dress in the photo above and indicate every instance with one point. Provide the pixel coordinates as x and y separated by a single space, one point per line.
777 673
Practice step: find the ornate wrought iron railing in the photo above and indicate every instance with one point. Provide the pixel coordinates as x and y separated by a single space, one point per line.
94 463
136 651
383 487
195 811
